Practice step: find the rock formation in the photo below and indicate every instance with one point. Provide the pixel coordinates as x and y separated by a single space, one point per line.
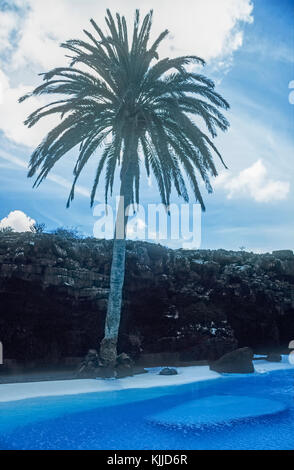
193 304
238 361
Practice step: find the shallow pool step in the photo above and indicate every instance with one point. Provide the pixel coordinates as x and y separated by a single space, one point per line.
216 409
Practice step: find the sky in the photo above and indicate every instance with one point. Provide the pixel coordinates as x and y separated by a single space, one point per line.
249 51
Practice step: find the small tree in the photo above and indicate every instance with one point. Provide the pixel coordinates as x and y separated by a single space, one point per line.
6 230
67 233
37 228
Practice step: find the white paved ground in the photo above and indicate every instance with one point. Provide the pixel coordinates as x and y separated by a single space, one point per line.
20 391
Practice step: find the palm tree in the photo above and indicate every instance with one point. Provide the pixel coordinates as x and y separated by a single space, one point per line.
121 97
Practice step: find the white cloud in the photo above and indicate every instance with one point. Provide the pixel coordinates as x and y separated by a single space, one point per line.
208 28
136 228
13 114
7 23
253 182
18 220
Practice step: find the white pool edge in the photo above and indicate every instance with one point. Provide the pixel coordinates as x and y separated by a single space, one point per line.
21 391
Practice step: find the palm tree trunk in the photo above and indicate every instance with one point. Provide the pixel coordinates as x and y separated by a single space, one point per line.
108 346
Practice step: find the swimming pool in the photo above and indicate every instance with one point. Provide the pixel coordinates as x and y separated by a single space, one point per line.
132 419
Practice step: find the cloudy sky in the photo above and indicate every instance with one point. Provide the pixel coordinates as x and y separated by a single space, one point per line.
248 47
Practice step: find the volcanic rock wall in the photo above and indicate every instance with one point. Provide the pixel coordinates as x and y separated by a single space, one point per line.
199 304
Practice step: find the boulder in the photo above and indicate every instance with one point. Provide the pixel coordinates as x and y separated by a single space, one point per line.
124 366
89 364
238 361
122 371
168 371
273 357
124 359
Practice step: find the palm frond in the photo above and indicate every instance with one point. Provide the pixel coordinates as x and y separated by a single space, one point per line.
114 87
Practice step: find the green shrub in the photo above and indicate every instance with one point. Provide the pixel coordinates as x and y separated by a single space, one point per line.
37 228
6 230
67 233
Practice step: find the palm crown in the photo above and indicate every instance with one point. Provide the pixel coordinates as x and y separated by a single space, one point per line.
120 96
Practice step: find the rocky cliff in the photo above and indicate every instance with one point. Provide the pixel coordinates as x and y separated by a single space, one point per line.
198 304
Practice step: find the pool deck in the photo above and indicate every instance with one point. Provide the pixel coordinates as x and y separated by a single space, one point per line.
21 391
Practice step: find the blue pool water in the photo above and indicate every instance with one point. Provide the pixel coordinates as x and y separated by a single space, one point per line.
127 419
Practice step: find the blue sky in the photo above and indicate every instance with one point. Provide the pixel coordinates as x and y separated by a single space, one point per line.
248 46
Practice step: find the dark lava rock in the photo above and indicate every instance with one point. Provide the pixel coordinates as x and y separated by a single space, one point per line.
124 359
283 254
89 364
123 371
124 366
105 372
235 362
168 371
273 357
193 304
140 370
